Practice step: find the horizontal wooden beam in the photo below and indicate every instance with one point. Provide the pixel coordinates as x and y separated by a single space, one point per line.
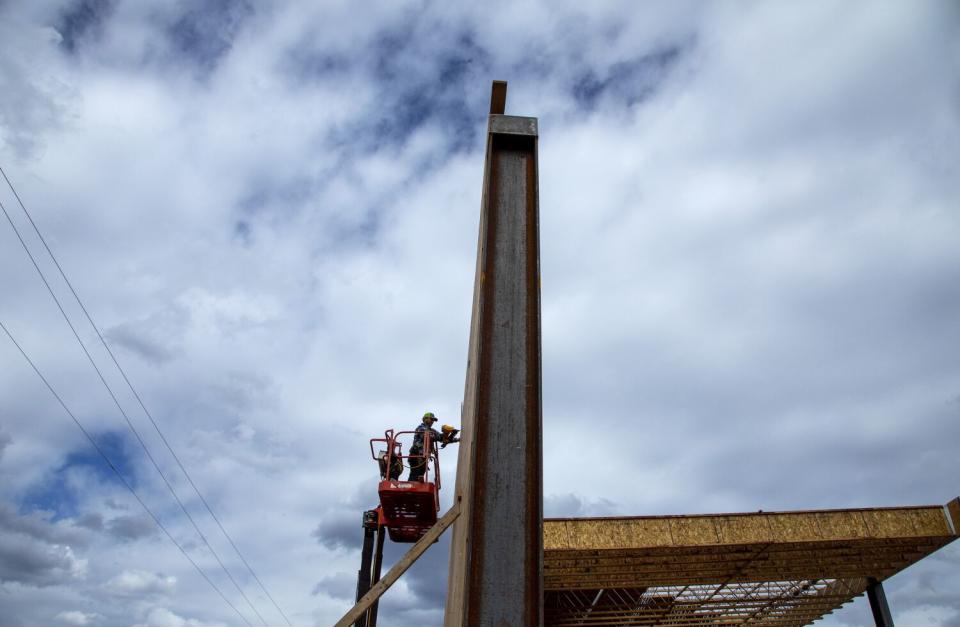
754 528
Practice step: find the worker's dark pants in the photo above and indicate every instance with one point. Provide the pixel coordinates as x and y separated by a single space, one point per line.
418 466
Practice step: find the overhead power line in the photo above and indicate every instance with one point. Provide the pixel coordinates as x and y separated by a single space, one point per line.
126 417
120 476
140 400
116 401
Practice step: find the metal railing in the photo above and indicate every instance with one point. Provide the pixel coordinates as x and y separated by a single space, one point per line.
393 452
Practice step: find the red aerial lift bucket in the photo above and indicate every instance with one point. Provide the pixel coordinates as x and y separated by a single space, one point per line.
407 508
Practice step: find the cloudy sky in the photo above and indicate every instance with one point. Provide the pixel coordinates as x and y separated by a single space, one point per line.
751 278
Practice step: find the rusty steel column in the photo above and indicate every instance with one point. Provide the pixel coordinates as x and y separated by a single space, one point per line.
375 576
878 604
370 525
496 561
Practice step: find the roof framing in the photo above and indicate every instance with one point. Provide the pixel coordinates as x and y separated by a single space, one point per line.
764 568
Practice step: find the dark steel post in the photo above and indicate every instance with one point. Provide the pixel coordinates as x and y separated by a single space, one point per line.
878 604
496 568
377 568
366 556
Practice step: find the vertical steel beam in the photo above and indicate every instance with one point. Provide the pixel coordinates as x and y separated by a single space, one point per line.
366 558
377 567
496 561
878 604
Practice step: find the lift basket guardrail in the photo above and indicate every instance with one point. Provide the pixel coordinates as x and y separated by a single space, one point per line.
407 508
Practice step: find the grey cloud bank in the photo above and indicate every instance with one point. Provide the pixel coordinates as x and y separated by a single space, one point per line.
750 258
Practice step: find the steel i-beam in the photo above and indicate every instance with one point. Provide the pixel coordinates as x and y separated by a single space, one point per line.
366 557
878 604
496 562
375 576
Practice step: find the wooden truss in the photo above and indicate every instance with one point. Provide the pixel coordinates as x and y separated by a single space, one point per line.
781 568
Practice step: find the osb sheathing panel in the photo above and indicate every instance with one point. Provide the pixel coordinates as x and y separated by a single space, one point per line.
931 522
887 524
778 527
681 550
555 534
848 526
606 533
649 532
694 531
744 529
795 527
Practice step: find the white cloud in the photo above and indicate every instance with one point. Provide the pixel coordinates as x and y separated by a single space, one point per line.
75 617
141 582
35 561
748 247
929 615
162 617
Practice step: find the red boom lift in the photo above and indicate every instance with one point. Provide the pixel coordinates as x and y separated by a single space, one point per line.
407 510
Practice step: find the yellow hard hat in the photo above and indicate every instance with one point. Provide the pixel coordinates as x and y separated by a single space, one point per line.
447 428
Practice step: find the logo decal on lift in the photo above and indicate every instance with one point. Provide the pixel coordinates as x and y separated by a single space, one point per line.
403 486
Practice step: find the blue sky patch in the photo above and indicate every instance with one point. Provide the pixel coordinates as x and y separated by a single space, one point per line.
56 493
415 93
438 101
627 82
242 232
206 33
751 208
81 20
302 64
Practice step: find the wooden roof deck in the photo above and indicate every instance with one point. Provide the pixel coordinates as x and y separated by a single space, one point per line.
776 568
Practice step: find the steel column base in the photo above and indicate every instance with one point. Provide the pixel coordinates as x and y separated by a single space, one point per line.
878 604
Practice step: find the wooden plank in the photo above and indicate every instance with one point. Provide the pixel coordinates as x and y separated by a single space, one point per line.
460 540
400 567
498 98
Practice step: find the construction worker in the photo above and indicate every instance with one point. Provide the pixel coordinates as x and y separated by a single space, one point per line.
418 459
